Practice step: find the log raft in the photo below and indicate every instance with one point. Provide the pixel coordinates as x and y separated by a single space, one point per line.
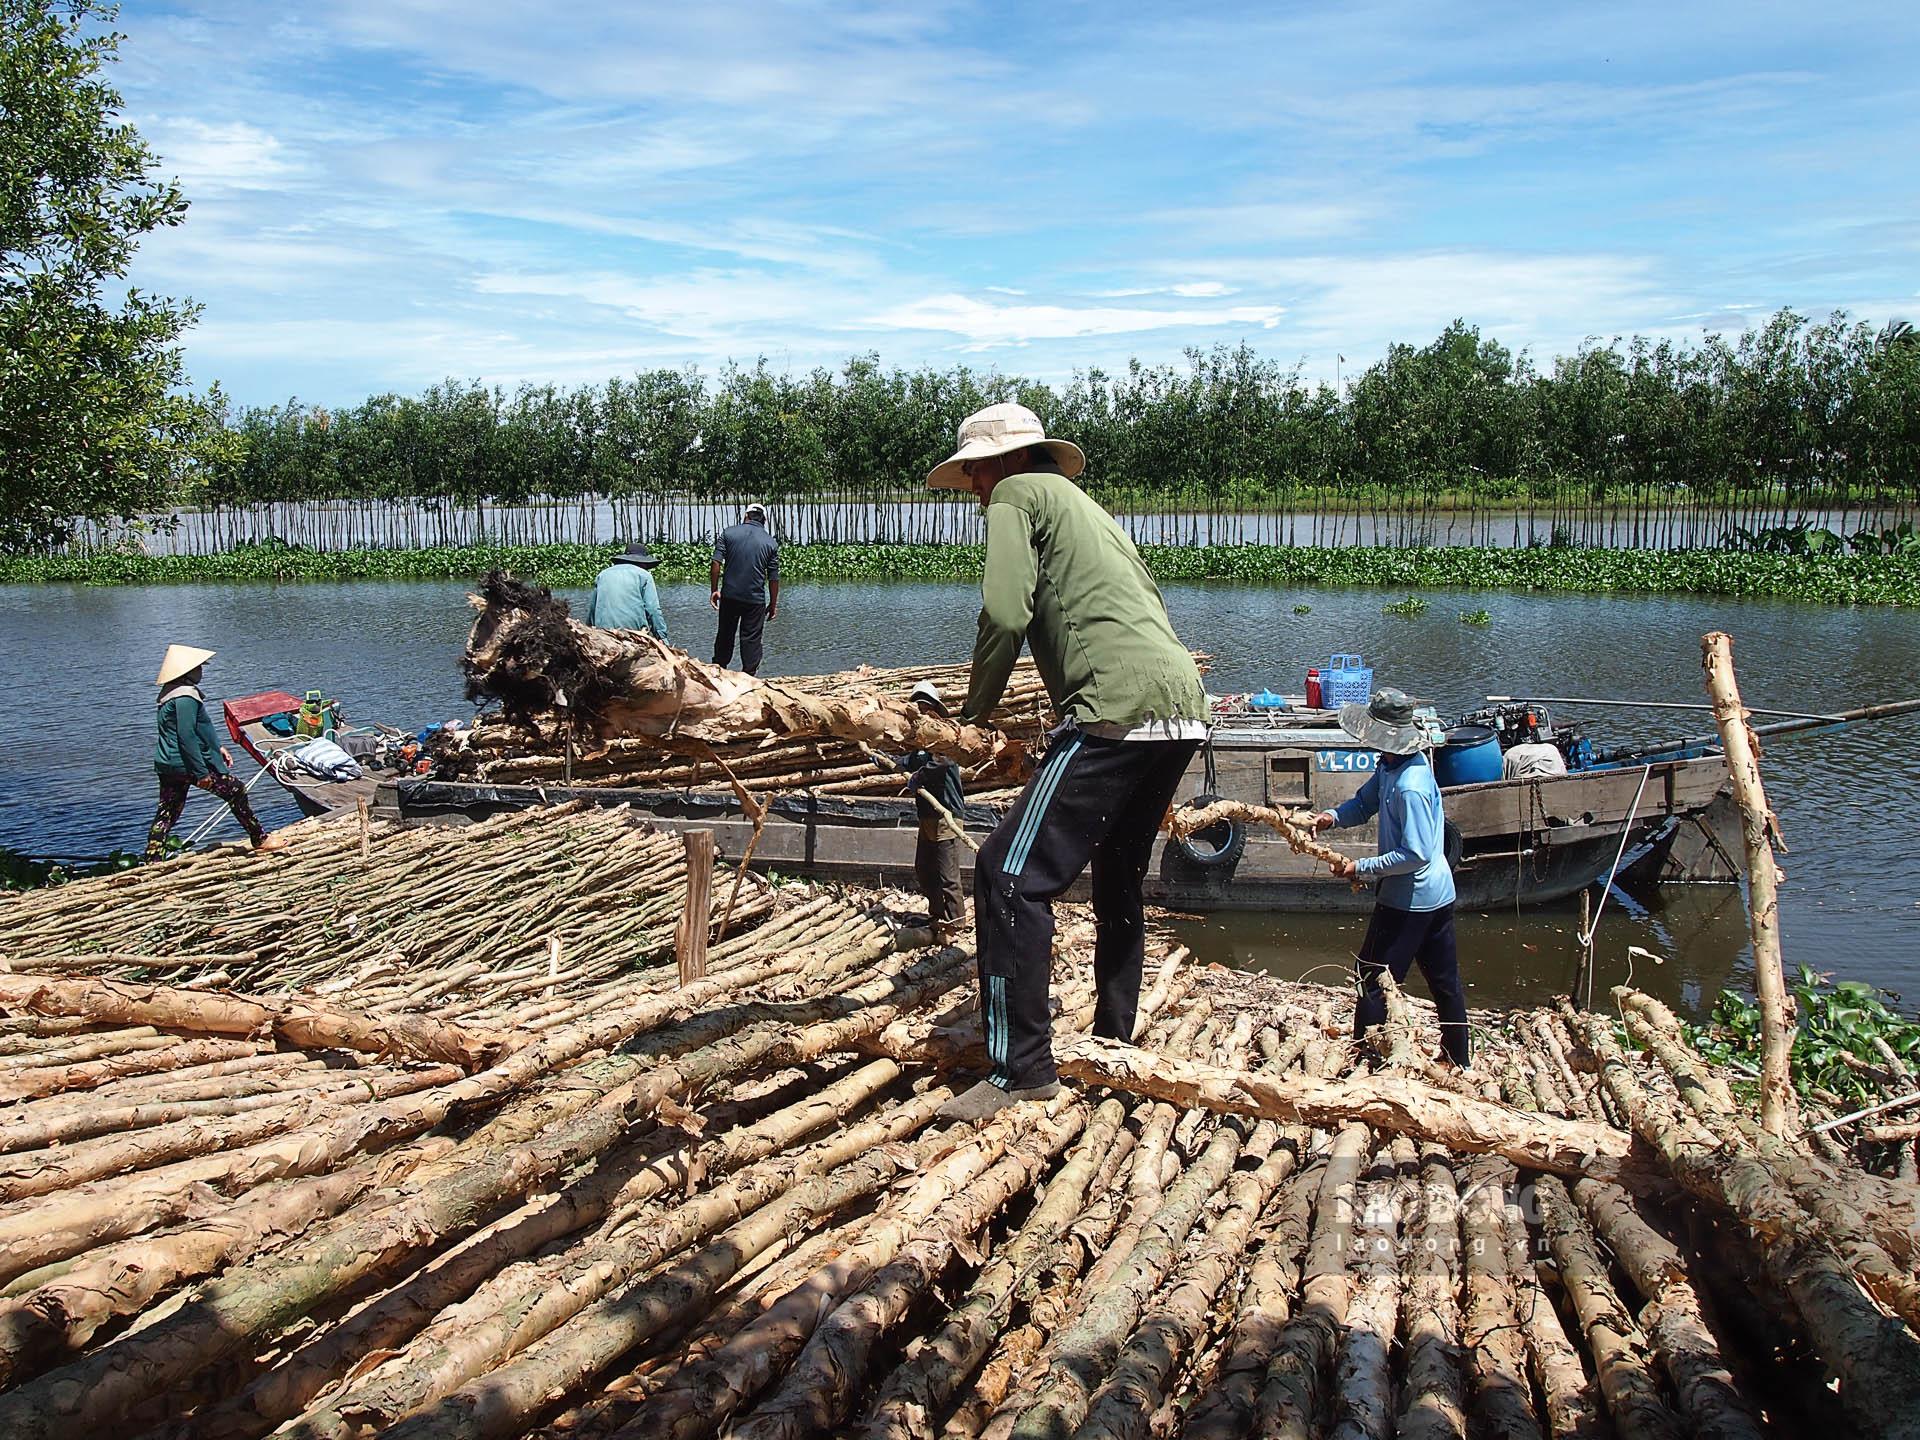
329 1146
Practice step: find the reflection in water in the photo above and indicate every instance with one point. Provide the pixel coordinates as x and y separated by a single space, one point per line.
1696 933
76 734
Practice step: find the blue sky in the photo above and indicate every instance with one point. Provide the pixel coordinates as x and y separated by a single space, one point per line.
386 194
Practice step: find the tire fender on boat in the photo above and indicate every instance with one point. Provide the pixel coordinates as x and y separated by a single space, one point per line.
1218 847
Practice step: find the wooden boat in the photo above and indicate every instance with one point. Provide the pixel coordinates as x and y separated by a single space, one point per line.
1525 841
246 720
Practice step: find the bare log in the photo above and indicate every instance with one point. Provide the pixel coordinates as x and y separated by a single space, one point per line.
57 1318
502 1402
1876 1357
1670 1315
1502 1398
1230 1406
922 1387
1293 826
29 1084
1295 1388
302 1024
819 1389
1085 1352
1619 1350
1177 1322
1760 829
1432 1406
1392 1104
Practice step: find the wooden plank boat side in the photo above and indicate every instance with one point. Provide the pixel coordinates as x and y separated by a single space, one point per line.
1525 847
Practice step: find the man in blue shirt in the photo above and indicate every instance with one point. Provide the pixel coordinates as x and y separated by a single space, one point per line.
746 586
1413 910
625 597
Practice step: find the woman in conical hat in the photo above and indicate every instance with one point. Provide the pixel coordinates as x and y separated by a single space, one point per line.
186 753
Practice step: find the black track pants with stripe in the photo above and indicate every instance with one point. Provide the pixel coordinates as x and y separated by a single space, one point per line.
1091 800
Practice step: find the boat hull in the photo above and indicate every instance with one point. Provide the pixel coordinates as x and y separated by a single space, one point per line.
1525 842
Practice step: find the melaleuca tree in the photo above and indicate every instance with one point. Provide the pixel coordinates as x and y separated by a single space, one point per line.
93 422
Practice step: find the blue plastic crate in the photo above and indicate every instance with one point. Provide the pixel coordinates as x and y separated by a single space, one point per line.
1346 681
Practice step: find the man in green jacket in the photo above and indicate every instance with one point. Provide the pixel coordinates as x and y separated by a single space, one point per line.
1062 577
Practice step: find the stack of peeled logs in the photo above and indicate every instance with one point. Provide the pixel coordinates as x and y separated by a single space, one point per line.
379 1161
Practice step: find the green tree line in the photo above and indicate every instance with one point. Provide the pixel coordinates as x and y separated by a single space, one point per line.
1830 412
1786 419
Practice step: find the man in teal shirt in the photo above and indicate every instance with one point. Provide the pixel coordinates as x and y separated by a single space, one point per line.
625 597
1063 578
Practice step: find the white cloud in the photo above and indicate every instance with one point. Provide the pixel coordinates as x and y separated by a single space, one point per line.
1186 290
984 325
209 158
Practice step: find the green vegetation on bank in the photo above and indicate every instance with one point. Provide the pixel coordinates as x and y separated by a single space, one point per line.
26 872
1836 1039
1827 578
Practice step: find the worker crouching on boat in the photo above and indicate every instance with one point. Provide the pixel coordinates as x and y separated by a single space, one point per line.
941 800
1413 913
1062 577
186 753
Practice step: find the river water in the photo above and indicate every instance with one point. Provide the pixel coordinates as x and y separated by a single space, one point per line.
76 736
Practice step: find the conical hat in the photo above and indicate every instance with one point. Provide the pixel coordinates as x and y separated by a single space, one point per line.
179 660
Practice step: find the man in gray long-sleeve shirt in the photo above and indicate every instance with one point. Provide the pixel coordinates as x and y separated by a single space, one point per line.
746 586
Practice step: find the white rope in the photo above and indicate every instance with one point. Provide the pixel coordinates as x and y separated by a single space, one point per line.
1626 830
1593 926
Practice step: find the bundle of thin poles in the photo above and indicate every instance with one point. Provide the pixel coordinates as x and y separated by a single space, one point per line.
639 1209
517 906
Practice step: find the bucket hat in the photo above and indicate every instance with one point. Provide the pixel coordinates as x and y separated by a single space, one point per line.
996 430
1384 723
638 554
929 692
181 660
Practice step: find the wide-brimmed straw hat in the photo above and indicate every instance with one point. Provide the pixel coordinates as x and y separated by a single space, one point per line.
1384 723
996 430
929 692
181 660
638 554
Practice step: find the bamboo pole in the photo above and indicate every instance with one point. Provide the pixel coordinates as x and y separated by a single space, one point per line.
1760 829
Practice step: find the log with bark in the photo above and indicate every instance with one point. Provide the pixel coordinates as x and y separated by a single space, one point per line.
552 673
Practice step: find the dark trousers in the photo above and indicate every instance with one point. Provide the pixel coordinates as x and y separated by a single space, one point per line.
1091 800
1395 941
173 799
936 866
751 621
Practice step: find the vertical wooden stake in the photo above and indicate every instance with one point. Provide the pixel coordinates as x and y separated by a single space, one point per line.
1583 973
553 962
690 940
366 840
1761 831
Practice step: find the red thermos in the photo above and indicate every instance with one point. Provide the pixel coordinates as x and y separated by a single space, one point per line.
1313 690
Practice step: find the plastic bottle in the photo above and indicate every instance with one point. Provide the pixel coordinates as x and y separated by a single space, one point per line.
1313 689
